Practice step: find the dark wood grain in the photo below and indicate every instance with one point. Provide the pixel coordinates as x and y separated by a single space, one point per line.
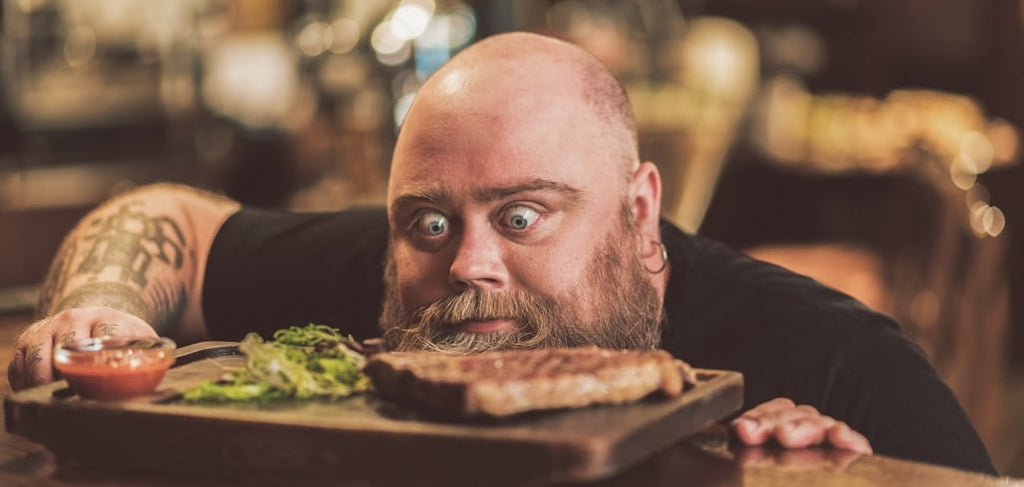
357 438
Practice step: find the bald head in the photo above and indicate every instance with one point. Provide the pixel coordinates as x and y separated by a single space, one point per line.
523 74
531 54
516 174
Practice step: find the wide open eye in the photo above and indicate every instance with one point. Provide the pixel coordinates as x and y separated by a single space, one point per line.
432 224
519 217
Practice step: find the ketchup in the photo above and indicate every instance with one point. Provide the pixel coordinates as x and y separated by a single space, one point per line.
117 372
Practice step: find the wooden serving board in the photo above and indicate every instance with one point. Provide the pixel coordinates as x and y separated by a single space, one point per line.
362 439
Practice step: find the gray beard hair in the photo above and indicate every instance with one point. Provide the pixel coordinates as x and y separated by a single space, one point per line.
627 309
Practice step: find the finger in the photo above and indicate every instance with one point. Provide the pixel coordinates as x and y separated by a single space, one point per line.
755 426
779 417
105 328
804 432
770 407
14 370
37 364
111 322
122 328
65 333
792 415
27 355
843 437
18 371
67 337
750 431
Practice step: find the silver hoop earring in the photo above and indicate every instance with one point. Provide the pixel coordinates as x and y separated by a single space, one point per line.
664 259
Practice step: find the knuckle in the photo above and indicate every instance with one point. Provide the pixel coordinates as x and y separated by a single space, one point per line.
72 314
786 437
79 315
782 401
808 410
38 326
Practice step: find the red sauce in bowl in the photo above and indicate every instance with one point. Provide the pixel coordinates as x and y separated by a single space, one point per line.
114 368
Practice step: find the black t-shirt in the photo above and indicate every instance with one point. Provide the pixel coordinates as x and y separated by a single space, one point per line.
788 335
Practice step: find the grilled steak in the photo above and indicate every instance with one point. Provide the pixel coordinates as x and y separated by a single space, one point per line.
505 383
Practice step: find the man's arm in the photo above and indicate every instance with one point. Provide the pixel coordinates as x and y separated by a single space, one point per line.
134 267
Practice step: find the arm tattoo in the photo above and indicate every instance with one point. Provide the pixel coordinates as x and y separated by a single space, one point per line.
168 305
57 276
125 259
161 306
111 294
129 241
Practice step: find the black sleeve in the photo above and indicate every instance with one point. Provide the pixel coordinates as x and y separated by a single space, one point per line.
792 337
886 388
269 270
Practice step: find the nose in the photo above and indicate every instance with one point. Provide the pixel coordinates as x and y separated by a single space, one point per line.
478 261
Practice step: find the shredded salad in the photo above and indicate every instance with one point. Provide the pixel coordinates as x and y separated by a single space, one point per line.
314 361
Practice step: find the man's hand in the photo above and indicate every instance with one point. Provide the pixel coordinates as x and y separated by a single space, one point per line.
795 426
33 353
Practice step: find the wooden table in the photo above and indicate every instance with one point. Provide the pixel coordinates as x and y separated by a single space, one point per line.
705 460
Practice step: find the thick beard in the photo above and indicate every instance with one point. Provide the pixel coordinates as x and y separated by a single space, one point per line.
627 310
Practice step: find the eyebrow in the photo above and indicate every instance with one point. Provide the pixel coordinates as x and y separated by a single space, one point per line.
493 194
416 195
441 195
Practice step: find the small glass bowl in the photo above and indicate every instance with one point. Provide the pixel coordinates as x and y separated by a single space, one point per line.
108 368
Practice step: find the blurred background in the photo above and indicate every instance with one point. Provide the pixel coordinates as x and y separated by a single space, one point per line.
871 144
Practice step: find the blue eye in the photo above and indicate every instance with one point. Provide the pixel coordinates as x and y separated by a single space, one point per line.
520 217
432 223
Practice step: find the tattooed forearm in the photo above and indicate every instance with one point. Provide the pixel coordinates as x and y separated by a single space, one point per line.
139 254
128 241
123 258
160 305
168 304
111 294
56 278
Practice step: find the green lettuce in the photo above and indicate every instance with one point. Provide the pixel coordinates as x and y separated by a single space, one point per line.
315 361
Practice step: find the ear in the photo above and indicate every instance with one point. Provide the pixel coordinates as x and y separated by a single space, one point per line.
645 202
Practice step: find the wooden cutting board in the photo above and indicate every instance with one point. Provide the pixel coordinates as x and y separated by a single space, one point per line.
361 439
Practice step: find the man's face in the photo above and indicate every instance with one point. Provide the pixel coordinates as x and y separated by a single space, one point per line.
511 228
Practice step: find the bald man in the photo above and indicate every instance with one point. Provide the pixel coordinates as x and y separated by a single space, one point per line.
518 216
